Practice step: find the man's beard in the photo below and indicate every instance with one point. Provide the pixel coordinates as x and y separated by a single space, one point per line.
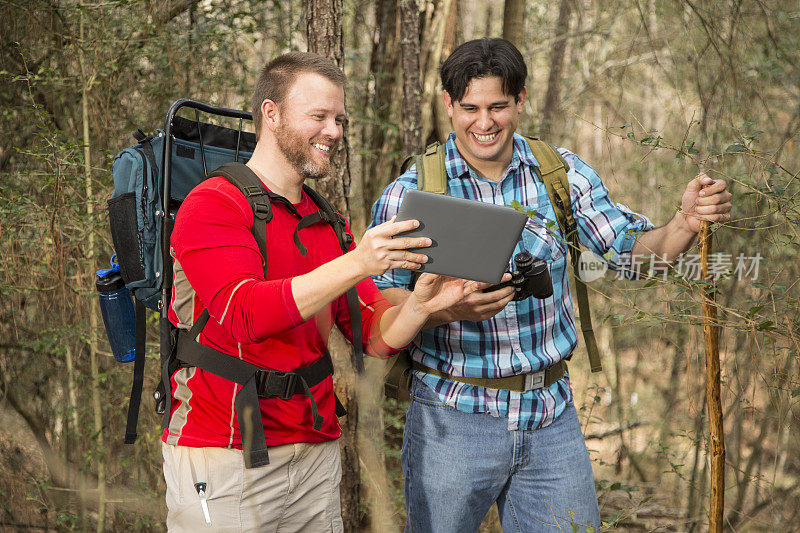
297 151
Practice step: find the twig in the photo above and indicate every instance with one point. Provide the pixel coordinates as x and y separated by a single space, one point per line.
615 431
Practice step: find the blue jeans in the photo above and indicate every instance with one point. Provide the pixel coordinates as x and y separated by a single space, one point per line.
456 465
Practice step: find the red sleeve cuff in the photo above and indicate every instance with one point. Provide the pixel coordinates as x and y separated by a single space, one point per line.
289 305
376 346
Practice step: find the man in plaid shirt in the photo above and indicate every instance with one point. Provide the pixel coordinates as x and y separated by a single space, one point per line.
465 446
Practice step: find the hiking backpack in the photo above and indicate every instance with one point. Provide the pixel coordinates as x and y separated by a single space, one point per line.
151 179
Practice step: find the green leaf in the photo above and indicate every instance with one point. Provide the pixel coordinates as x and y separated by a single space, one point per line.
766 325
734 148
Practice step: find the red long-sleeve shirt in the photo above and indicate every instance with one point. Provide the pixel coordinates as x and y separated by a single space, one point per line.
217 265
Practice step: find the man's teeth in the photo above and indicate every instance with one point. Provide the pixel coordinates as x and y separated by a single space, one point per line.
485 138
323 147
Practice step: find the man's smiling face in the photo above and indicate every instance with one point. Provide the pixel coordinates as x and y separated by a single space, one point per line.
485 120
311 124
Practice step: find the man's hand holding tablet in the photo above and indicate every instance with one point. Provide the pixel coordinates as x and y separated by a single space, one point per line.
381 249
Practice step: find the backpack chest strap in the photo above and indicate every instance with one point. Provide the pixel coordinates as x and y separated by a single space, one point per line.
317 216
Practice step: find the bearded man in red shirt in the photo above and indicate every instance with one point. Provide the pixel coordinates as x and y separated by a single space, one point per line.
278 317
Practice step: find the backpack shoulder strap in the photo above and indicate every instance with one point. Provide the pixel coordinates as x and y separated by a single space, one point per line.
256 195
552 171
331 215
431 173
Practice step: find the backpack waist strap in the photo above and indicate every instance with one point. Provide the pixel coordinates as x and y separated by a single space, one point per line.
269 383
256 383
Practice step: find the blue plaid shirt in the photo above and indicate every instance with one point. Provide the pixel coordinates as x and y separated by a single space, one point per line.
532 334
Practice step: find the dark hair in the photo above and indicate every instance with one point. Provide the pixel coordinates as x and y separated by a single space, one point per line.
279 74
483 58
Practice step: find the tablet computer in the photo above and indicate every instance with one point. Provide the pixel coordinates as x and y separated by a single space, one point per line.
471 239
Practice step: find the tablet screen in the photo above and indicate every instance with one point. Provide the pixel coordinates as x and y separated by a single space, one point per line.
471 239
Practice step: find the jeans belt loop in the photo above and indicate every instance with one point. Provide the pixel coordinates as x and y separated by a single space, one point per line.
534 380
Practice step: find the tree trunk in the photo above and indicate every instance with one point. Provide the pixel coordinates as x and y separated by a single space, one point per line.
409 46
384 101
552 97
324 34
433 43
443 124
96 403
514 21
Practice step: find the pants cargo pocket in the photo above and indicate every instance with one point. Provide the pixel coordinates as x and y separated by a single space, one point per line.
204 488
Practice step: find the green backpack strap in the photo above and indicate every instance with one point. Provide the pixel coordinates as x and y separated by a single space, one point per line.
552 171
431 174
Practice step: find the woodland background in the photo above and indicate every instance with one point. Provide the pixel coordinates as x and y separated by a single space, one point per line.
646 91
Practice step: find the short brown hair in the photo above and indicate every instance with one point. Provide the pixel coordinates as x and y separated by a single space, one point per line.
278 75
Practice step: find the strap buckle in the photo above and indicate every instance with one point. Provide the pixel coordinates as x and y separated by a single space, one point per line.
274 384
254 190
534 380
348 240
261 208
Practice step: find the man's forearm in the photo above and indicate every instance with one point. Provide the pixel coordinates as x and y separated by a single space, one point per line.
321 286
401 323
666 242
398 296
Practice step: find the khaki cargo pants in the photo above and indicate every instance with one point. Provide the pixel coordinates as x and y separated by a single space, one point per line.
297 491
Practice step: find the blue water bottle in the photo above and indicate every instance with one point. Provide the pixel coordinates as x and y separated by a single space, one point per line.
116 305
